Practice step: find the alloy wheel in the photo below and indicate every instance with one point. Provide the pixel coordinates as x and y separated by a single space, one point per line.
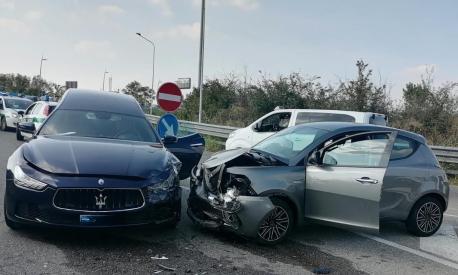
275 226
428 217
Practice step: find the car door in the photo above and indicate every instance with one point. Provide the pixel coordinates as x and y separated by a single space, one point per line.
188 149
344 180
27 117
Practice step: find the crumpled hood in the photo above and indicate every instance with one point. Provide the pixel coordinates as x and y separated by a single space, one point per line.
223 157
91 156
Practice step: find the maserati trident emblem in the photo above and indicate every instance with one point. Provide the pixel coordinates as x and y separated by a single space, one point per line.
101 182
100 201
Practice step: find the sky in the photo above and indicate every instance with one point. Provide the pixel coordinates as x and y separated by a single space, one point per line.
82 38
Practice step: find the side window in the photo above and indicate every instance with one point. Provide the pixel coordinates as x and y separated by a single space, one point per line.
366 150
307 117
275 122
29 110
36 109
403 148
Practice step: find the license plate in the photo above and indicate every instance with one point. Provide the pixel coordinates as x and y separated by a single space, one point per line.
88 219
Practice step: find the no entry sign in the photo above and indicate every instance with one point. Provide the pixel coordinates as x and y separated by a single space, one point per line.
169 97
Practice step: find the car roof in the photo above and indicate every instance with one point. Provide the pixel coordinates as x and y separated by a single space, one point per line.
78 99
326 111
349 126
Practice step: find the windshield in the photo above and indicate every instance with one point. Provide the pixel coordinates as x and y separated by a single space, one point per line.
98 125
20 104
290 142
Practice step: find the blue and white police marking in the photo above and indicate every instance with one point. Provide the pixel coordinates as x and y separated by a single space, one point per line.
168 125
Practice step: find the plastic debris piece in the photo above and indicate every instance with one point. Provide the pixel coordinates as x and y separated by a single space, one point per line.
166 267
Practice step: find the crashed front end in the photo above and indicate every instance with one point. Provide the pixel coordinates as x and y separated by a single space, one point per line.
220 199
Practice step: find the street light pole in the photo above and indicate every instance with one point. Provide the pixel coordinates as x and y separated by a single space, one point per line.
41 63
103 84
201 57
154 64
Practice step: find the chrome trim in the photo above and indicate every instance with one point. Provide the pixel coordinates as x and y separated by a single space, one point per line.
196 144
102 211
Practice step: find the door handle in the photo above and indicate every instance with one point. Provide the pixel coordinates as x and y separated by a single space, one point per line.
365 180
196 144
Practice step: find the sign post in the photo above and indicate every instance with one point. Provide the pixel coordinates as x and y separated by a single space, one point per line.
169 97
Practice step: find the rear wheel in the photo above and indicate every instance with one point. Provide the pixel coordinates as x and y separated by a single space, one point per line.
425 217
3 124
277 224
19 136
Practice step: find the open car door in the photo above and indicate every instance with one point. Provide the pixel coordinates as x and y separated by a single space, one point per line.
188 149
344 180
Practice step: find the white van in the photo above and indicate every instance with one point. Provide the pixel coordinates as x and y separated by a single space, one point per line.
283 118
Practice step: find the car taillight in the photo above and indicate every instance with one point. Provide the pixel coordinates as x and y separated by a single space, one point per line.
46 110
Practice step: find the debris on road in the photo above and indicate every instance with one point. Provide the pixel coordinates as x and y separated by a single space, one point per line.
159 258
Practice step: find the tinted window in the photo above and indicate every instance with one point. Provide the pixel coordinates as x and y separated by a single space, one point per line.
306 117
377 120
14 103
275 122
363 150
403 148
99 125
51 108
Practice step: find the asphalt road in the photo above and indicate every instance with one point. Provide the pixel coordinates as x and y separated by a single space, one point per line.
188 250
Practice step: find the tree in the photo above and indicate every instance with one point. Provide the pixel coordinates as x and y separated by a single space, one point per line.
143 94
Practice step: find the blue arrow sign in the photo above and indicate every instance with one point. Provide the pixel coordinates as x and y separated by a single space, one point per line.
168 125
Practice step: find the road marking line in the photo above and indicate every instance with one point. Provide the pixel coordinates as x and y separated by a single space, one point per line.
410 250
444 243
169 97
450 215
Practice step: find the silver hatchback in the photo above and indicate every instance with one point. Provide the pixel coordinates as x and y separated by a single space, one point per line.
342 174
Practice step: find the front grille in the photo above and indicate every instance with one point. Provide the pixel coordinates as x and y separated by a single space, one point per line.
98 199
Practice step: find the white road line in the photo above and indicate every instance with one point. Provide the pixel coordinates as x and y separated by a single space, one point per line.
169 97
410 250
444 243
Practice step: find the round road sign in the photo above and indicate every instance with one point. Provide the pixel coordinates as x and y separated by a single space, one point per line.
169 97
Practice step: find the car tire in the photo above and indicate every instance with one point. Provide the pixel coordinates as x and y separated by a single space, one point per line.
426 217
19 136
3 126
277 224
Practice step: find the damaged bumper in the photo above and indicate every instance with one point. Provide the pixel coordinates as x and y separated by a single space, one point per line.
238 213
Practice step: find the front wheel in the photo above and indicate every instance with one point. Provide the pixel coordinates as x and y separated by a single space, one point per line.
425 217
19 136
3 124
277 224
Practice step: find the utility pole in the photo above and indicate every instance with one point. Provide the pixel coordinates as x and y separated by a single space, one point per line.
201 57
103 84
41 63
154 62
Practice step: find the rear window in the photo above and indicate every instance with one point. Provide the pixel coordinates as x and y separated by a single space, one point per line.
403 148
306 117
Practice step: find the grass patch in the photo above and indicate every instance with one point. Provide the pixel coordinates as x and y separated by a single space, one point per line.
213 144
453 180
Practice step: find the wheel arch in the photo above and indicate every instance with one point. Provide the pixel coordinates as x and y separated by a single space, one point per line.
291 203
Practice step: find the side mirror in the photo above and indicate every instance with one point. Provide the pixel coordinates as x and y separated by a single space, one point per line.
28 127
315 158
170 139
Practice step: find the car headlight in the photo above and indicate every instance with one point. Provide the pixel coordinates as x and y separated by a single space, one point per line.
232 134
164 185
14 115
24 181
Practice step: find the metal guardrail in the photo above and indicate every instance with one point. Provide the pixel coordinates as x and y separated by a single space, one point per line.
443 154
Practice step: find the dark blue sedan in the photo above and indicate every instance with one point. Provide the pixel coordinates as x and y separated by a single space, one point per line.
98 162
